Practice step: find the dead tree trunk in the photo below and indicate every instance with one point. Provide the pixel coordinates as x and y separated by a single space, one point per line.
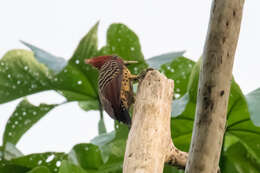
149 143
214 85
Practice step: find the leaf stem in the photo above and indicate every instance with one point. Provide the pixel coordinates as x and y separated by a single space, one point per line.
101 123
100 110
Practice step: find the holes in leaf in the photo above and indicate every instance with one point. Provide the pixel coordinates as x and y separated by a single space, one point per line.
79 82
50 158
77 61
132 49
177 95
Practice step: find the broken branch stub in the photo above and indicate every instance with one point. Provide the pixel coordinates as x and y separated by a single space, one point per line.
149 143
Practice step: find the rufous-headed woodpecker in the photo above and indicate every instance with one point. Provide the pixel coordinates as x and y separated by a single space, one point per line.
114 86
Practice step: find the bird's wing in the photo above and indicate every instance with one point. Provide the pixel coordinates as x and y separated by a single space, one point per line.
110 96
110 86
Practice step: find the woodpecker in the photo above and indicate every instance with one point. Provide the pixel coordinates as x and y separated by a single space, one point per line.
115 86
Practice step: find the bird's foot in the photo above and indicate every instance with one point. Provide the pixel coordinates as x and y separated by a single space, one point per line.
141 76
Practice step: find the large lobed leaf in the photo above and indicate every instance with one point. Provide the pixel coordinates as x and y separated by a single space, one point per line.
6 167
87 48
40 169
239 124
238 160
23 118
67 167
104 154
179 69
21 75
87 156
50 160
123 42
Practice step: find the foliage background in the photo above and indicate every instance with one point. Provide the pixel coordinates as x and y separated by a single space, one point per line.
162 43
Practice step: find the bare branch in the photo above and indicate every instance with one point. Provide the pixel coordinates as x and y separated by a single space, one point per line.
177 157
214 86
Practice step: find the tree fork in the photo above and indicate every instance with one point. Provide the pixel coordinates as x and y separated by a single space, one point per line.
214 86
149 143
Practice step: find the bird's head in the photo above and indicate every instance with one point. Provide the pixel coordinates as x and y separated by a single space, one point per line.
99 61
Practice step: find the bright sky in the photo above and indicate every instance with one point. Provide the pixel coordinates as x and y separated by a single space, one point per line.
162 26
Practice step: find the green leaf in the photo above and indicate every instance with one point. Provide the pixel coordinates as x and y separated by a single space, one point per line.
74 85
112 145
179 70
56 64
156 61
78 81
89 105
123 42
23 118
253 101
67 167
1 152
50 160
10 151
7 167
239 161
228 165
229 140
182 126
102 142
21 75
40 169
87 48
240 125
179 105
87 156
171 169
194 81
115 167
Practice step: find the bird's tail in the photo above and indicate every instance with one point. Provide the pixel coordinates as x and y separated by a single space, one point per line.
125 117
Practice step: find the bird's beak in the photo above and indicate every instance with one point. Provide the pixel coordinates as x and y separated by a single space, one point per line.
130 62
88 61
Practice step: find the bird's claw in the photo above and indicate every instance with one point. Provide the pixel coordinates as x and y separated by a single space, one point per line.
141 76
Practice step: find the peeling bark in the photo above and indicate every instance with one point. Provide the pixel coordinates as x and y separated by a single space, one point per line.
214 85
